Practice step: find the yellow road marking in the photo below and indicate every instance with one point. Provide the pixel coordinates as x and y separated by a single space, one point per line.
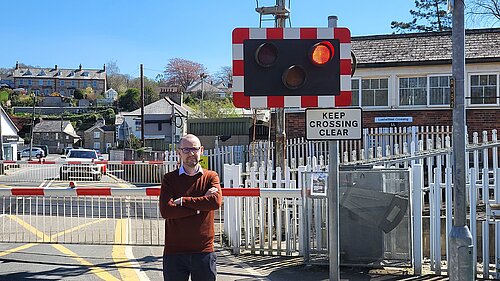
101 273
20 248
122 262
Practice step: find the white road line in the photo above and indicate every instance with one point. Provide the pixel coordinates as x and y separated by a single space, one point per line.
130 255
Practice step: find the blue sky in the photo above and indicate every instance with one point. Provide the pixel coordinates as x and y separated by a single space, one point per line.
93 32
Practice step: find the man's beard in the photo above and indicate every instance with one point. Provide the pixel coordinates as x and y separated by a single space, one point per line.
191 162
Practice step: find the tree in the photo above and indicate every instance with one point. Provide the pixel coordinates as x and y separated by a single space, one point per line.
429 15
115 80
181 72
78 94
150 95
214 108
225 75
483 12
130 100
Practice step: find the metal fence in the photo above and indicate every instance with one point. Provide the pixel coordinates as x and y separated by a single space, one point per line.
81 216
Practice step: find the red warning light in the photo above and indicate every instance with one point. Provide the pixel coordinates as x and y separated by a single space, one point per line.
322 53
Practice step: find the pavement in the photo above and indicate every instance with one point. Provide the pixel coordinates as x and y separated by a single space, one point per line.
281 268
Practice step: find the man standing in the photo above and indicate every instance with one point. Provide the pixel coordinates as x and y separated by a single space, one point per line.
188 198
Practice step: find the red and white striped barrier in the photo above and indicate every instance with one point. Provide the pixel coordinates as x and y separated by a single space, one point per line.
148 191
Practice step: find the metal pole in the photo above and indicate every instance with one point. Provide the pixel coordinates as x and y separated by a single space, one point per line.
32 128
333 198
202 109
280 112
461 261
143 141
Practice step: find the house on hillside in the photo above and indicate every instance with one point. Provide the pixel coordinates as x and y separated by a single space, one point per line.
100 137
165 121
408 75
56 134
45 81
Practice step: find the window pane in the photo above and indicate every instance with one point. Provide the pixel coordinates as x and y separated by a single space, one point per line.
355 92
492 80
367 98
474 80
403 82
434 81
381 97
384 83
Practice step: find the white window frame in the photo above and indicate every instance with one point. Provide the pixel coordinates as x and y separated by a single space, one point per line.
445 105
469 90
360 92
97 145
97 135
398 89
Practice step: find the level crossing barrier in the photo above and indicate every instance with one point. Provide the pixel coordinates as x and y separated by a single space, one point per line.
91 215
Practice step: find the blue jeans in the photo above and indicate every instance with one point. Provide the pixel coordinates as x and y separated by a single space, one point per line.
201 267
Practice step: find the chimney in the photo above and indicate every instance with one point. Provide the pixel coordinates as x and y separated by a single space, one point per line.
55 67
80 67
17 65
104 68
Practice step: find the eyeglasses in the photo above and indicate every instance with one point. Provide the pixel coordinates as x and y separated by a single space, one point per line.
187 150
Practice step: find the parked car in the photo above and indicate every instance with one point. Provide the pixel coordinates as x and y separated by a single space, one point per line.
81 163
35 152
45 148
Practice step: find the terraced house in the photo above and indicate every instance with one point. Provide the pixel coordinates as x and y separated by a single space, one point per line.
45 81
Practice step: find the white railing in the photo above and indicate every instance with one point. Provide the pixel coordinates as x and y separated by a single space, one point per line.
252 223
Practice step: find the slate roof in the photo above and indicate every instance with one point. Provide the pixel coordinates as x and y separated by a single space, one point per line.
161 106
60 73
54 126
481 45
50 126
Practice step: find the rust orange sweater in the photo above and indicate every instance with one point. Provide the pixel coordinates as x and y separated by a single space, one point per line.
185 230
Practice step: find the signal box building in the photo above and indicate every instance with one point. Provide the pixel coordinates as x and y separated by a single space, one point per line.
408 75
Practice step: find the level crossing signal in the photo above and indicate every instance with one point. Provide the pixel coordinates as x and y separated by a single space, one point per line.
291 67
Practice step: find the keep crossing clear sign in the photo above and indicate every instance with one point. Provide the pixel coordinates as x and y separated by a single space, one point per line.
333 123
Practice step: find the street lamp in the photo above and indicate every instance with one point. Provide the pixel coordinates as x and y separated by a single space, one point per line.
202 76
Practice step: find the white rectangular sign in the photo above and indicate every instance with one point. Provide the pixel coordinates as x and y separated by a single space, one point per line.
333 123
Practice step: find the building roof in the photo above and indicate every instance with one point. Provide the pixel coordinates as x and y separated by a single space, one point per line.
60 73
207 87
54 126
481 45
161 106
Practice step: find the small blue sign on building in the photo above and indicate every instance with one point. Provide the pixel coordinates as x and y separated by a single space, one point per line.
393 119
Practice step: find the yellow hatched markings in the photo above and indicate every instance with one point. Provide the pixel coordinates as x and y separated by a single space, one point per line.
125 267
101 273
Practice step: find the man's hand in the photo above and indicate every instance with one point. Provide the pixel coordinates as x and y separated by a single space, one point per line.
178 201
211 191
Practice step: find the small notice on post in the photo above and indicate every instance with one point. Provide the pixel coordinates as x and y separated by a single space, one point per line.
333 123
